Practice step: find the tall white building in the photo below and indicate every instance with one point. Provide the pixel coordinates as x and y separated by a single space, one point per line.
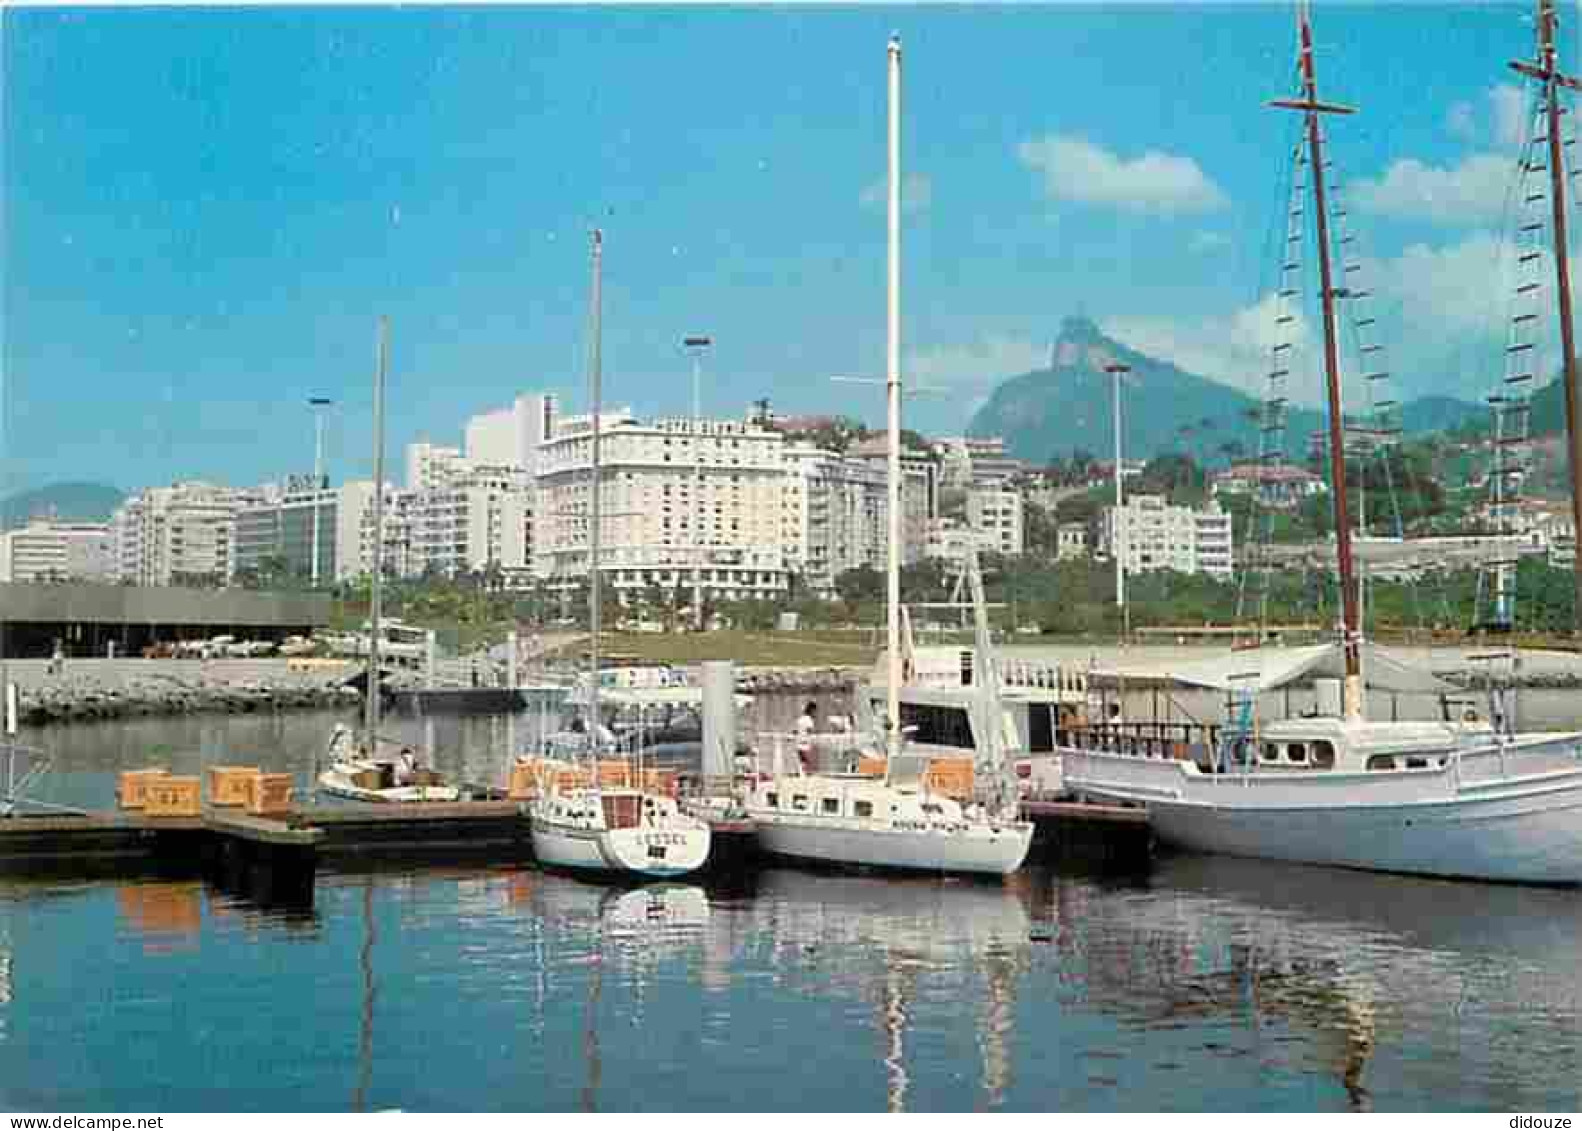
1151 534
48 550
178 535
833 515
995 510
510 437
919 493
432 465
680 499
480 521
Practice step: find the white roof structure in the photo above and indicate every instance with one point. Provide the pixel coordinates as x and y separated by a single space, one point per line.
1266 669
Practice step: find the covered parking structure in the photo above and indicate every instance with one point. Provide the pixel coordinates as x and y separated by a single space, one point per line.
88 619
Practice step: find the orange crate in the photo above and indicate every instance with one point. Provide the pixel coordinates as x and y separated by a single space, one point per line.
523 785
171 796
871 767
269 795
667 782
132 790
230 785
614 773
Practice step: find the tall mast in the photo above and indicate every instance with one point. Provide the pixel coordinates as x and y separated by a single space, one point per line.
1312 108
1547 71
595 394
371 704
893 397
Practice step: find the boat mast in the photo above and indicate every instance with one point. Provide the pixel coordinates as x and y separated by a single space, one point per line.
1547 71
371 704
595 395
893 397
1309 105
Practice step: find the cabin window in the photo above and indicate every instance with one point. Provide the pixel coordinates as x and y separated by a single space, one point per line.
773 799
929 808
830 805
1381 762
1271 752
1296 751
799 801
1324 754
863 808
1417 763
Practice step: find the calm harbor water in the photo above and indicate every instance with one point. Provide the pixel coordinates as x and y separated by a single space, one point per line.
1206 983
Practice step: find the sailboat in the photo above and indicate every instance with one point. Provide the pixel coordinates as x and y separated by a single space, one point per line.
896 821
369 767
1459 798
580 821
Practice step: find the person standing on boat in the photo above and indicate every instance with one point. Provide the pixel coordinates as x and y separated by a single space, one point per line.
806 725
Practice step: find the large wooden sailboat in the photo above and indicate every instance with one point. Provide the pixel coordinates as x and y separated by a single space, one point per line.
896 821
1460 798
579 820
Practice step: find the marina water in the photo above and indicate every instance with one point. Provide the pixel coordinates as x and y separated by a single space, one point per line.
1203 983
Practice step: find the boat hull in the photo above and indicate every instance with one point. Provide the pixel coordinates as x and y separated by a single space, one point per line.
627 852
337 786
1514 828
993 852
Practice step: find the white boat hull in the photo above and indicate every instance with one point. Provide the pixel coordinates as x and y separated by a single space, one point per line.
1467 822
996 851
621 851
336 785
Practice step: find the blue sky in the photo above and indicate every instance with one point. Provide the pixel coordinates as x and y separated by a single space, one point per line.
206 210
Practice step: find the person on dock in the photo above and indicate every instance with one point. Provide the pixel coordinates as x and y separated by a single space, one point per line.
806 725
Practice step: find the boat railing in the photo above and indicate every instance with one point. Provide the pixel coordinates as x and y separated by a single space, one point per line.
1041 675
1192 742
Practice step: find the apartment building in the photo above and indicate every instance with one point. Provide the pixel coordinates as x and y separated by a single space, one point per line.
510 437
1151 534
278 536
919 492
432 465
833 515
995 510
49 550
479 522
181 534
680 500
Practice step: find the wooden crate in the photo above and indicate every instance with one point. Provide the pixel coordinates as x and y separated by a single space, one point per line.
871 767
523 785
230 785
667 782
269 795
172 796
132 790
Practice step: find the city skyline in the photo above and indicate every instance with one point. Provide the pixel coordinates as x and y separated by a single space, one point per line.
207 210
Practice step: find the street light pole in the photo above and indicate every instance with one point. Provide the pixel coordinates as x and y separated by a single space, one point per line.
318 405
696 345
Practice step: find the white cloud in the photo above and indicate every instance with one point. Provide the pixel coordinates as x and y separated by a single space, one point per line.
1075 169
1233 349
917 193
976 365
1473 192
1508 104
1446 292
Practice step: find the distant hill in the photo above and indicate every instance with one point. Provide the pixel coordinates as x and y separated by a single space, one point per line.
72 502
1055 411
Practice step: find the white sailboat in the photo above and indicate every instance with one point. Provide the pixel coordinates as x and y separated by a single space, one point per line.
1457 798
897 821
578 821
370 767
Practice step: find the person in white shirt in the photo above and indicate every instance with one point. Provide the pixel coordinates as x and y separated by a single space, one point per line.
806 725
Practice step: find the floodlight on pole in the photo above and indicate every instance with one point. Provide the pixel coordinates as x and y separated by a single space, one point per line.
697 345
318 405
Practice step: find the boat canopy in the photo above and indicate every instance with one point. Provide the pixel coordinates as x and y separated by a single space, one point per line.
1267 669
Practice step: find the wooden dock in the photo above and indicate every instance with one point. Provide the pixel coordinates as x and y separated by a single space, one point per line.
280 855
